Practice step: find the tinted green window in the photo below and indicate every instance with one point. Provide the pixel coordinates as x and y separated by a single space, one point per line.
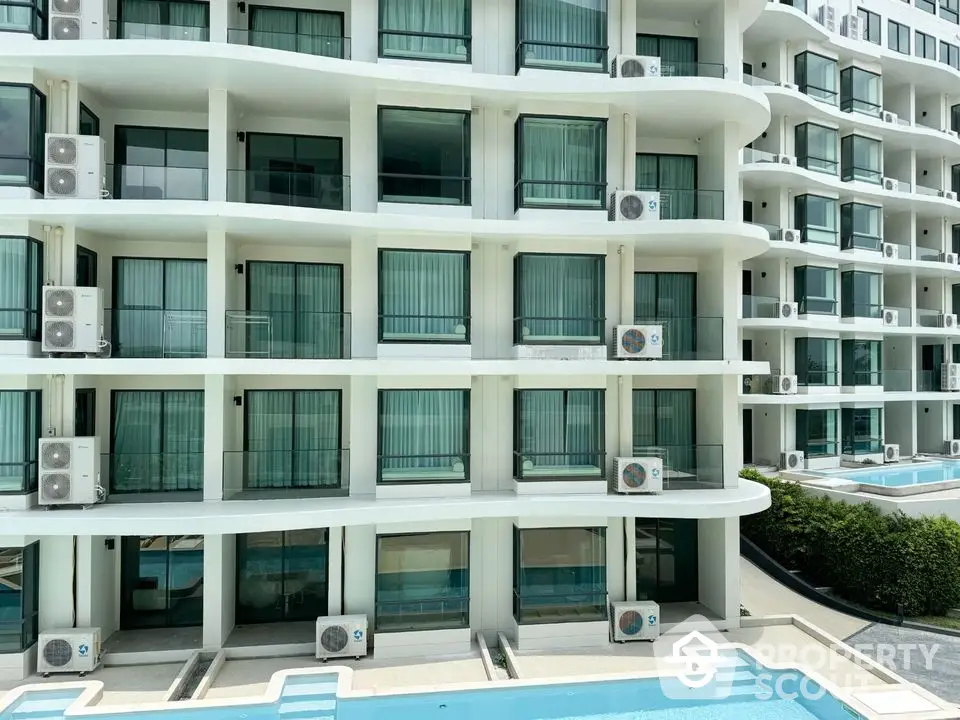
860 294
19 432
816 218
562 35
21 288
861 431
559 299
558 434
815 289
437 30
816 147
303 31
163 20
424 296
860 226
817 433
19 596
816 76
816 361
861 159
860 91
296 170
862 362
23 110
161 581
667 560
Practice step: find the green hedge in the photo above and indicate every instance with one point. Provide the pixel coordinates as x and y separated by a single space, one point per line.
869 558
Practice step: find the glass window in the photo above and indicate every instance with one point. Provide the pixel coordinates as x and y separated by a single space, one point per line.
19 433
860 226
295 170
558 299
925 46
282 576
670 299
425 30
559 575
24 16
860 294
558 434
861 362
163 20
19 597
159 308
85 412
665 426
817 433
950 55
313 32
675 178
156 441
816 147
898 37
861 431
926 5
86 267
950 11
160 163
561 162
424 156
667 560
423 582
816 76
291 439
568 35
678 55
860 91
815 289
861 158
423 436
161 581
816 219
870 21
294 310
88 123
23 125
955 118
424 296
21 288
816 361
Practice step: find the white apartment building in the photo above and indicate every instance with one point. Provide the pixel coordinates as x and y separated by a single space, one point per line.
855 305
358 347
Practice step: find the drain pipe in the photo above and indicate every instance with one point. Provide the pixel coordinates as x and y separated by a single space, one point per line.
48 253
65 106
626 152
58 247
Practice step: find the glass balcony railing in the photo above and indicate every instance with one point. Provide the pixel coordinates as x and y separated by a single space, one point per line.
928 381
124 30
533 466
267 470
332 46
862 445
19 324
687 467
818 378
148 182
287 334
138 473
414 615
810 305
577 605
21 170
928 254
929 318
156 333
861 310
773 231
290 189
427 329
561 56
903 251
759 306
928 191
17 478
431 468
411 188
818 448
673 68
421 45
897 380
755 81
690 204
686 338
856 241
862 378
558 331
752 155
559 195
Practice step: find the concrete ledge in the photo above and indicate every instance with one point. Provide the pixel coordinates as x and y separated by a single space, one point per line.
432 643
513 668
906 490
559 636
206 682
488 666
176 687
148 657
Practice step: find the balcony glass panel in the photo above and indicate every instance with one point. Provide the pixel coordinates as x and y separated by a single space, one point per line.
153 163
675 178
816 148
20 606
562 35
817 433
302 31
424 296
816 219
19 433
559 575
861 159
295 170
670 300
161 581
862 362
423 582
860 294
437 30
423 436
815 290
816 76
24 112
24 16
21 288
558 434
860 91
678 55
163 20
861 431
860 226
561 163
558 299
816 361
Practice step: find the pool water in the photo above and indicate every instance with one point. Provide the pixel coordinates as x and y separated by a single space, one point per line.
902 476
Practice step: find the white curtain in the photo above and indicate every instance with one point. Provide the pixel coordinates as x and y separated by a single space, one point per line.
553 28
429 17
422 295
18 441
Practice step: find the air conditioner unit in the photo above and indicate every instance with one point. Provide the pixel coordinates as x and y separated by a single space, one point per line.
74 167
888 117
891 453
639 475
949 258
891 184
635 66
635 621
781 159
639 342
74 650
947 195
787 310
72 320
634 205
827 16
949 380
792 460
69 471
890 251
78 20
947 320
790 235
344 636
851 27
951 448
783 384
891 318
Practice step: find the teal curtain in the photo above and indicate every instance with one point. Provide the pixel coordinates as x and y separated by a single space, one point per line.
665 426
301 309
292 439
560 298
164 20
678 55
423 435
21 277
424 296
560 432
417 22
157 441
675 177
159 308
670 300
303 31
562 161
552 30
19 434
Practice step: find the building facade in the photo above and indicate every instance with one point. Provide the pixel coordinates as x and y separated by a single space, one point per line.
356 353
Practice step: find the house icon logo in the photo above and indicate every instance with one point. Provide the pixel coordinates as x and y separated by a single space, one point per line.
693 662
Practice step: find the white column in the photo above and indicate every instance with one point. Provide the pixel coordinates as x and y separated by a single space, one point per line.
56 599
222 141
221 12
630 552
719 566
219 270
359 570
616 563
362 160
216 569
362 412
363 298
214 406
335 572
364 23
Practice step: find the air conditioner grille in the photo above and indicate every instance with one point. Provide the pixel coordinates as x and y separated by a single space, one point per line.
787 310
55 486
793 461
634 475
58 334
66 7
58 653
630 622
631 207
888 317
785 383
632 68
891 453
62 150
334 639
58 303
62 181
633 341
65 28
55 456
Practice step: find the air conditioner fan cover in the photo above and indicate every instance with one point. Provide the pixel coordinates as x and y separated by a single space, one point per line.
888 317
66 7
890 453
62 181
635 475
633 341
786 310
65 28
631 207
58 652
55 456
58 303
55 486
630 622
786 383
58 334
632 68
888 251
62 151
334 639
793 460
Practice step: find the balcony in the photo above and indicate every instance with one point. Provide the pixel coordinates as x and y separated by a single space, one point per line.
541 466
862 378
123 30
289 189
816 377
759 306
433 468
156 333
561 56
143 182
690 204
17 478
410 615
929 318
687 467
558 331
144 473
331 46
862 445
928 254
686 338
928 381
287 334
263 472
426 329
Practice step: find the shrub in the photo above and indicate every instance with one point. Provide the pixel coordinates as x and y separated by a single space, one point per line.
872 559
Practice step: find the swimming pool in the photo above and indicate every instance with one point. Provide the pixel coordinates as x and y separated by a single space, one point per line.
895 476
752 692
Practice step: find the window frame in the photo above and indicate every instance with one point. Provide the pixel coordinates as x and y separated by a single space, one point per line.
950 11
849 307
253 9
803 160
831 446
852 103
251 172
39 19
825 377
825 95
924 46
31 332
802 296
29 594
849 171
898 37
120 162
850 376
668 68
928 6
520 59
91 118
848 437
872 29
33 404
36 132
164 17
467 38
848 232
800 217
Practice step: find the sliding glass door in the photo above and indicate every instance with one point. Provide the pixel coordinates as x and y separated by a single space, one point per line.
667 560
303 31
670 300
297 170
675 177
161 581
163 20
